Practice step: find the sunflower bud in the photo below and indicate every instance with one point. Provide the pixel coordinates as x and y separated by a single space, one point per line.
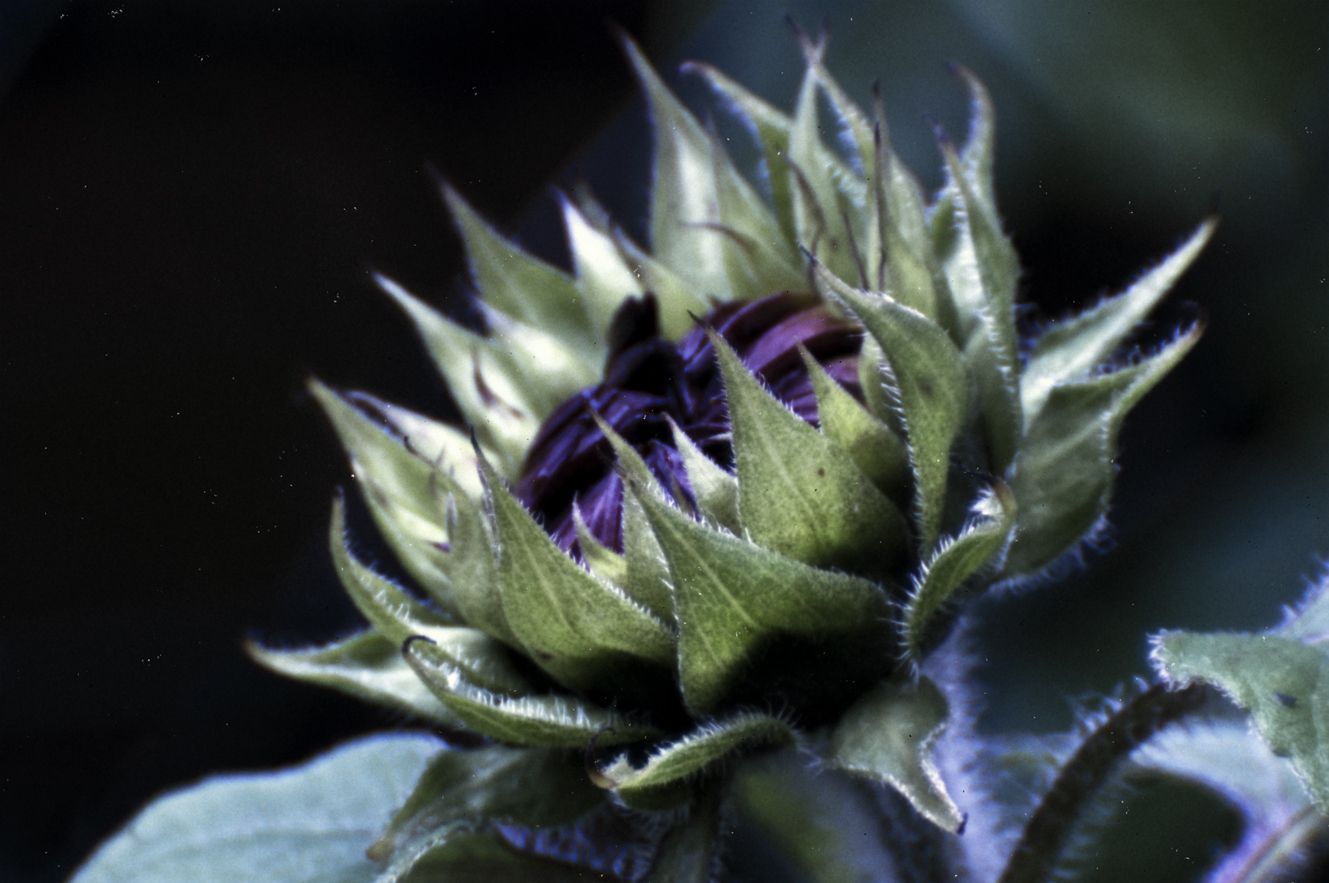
725 495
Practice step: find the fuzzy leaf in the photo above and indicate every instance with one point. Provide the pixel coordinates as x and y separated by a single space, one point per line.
1283 682
1063 476
396 482
604 562
874 448
978 545
552 721
688 851
444 447
573 625
731 596
1073 349
985 270
465 856
677 298
552 369
309 824
648 573
603 276
887 736
799 493
489 393
934 390
473 563
715 488
365 665
396 615
533 787
523 287
698 750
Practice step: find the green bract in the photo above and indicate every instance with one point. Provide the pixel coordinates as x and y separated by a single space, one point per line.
795 600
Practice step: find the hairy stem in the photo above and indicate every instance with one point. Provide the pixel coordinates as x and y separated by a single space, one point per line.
1048 828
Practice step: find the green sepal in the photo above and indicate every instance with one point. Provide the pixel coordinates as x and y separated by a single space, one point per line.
543 721
573 625
819 217
1073 349
715 488
687 853
604 562
771 128
532 787
397 615
879 394
1283 682
308 824
647 571
731 596
932 383
699 204
555 369
977 154
367 666
887 736
473 562
976 547
984 271
396 482
678 300
461 854
524 287
603 276
799 493
874 448
699 749
490 393
444 447
1062 478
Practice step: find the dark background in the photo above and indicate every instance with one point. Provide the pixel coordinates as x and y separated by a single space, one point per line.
192 194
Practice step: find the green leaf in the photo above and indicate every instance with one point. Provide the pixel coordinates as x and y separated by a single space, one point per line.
933 387
688 851
976 155
547 721
1073 349
888 735
648 574
823 822
532 787
397 483
979 545
984 273
551 369
799 493
1063 476
874 448
522 286
603 276
396 615
573 625
1283 682
715 489
473 563
699 749
604 562
475 857
678 300
310 824
365 665
731 596
490 394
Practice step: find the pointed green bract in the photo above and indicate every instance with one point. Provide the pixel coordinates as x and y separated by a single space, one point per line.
731 595
309 824
799 493
534 787
473 563
977 546
522 286
647 572
715 489
1072 349
678 300
930 375
604 562
888 736
1283 682
698 750
603 276
571 624
554 366
544 721
365 665
443 447
875 450
1063 476
460 855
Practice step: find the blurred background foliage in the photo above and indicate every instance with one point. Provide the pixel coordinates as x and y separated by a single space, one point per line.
191 196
